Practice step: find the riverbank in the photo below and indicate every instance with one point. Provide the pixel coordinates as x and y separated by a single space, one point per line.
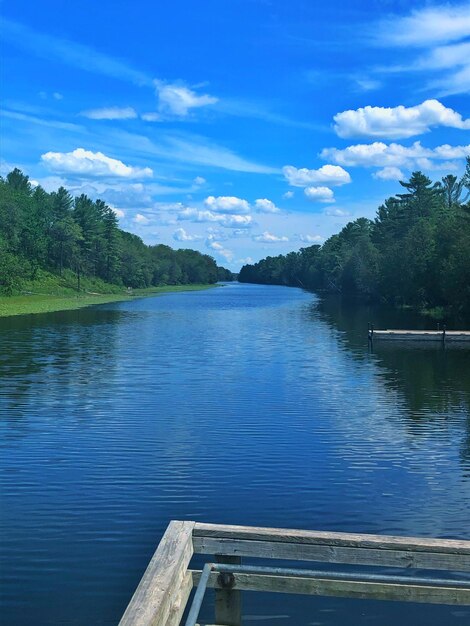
31 303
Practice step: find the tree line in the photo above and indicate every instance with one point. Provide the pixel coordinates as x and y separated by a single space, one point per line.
415 252
57 232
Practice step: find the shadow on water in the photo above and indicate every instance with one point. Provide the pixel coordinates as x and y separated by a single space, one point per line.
49 355
433 380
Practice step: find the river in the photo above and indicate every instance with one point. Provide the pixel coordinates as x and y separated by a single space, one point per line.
245 404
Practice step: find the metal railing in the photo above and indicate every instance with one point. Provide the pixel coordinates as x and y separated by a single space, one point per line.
163 594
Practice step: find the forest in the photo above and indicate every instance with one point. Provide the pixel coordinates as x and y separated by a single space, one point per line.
59 233
415 252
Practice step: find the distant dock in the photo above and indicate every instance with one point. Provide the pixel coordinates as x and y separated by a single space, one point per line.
443 335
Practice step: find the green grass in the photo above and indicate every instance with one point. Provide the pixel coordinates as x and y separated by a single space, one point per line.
54 293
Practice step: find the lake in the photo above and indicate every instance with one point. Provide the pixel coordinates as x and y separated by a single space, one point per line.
246 404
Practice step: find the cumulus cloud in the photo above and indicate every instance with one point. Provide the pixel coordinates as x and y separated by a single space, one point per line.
219 249
379 154
268 237
140 219
311 238
83 162
181 235
227 221
263 205
397 122
110 113
389 173
330 174
227 204
288 195
176 99
119 213
319 194
199 180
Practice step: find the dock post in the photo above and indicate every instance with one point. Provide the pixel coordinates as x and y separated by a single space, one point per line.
444 333
228 605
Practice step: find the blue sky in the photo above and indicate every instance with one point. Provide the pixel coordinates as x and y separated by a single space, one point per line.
242 128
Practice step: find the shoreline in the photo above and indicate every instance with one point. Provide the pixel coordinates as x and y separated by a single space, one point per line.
33 304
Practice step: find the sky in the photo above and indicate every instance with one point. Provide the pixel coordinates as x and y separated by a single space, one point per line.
240 128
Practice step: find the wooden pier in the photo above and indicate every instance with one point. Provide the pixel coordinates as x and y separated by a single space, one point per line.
443 336
165 591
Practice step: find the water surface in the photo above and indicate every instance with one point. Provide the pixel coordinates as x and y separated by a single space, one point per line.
247 404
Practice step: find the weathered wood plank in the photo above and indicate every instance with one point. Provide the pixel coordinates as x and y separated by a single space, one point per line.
332 554
179 605
344 588
313 537
163 584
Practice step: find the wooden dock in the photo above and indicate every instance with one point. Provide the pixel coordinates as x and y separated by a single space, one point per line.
165 591
443 336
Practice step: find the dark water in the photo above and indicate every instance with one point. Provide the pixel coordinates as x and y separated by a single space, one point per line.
244 404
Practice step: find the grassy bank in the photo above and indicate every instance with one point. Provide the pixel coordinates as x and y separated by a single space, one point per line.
53 293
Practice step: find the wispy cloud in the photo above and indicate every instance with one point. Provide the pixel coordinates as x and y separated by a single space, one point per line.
178 99
70 53
110 113
32 119
440 34
425 26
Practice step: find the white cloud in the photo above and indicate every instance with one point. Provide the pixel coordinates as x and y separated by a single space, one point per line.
397 122
227 204
389 173
120 214
151 117
84 162
140 219
219 248
337 212
379 154
319 194
199 180
181 235
288 195
178 100
263 205
245 261
227 221
110 113
426 26
368 84
57 96
189 148
311 238
442 32
330 174
70 53
267 237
